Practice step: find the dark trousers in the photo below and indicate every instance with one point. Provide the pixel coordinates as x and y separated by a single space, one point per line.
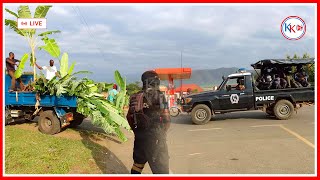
13 81
152 148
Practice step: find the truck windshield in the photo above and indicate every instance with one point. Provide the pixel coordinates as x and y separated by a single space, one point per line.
233 82
220 86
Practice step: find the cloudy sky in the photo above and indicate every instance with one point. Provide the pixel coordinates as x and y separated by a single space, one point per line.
134 38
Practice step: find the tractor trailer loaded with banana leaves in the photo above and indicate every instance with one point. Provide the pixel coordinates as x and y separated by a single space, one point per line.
281 87
65 102
62 101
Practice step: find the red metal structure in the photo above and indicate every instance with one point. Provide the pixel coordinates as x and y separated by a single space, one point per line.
185 87
171 74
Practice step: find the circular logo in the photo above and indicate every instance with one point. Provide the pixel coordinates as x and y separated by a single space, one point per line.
234 99
293 28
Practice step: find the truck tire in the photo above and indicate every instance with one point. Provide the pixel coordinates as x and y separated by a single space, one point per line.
49 123
78 119
283 109
8 118
201 114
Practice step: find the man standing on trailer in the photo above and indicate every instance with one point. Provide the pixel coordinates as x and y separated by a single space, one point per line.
51 70
10 63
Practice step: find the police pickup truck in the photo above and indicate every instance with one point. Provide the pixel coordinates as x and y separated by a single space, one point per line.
280 103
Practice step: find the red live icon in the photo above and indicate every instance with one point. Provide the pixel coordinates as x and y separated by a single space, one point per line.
35 23
32 23
24 23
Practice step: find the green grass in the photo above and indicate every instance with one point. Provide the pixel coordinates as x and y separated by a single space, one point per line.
31 152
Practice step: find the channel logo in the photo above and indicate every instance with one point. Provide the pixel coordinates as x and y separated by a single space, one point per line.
293 28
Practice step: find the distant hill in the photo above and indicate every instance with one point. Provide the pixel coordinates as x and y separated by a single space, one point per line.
209 77
202 77
206 78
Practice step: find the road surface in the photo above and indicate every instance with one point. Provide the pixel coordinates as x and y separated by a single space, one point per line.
234 143
244 143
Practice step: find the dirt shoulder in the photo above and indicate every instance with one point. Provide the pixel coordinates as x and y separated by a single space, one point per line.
108 153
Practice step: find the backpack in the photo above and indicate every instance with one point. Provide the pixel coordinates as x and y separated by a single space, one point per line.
136 117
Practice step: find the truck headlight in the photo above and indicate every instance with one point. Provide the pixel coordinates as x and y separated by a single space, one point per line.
188 100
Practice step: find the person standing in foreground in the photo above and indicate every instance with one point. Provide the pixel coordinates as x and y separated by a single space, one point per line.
149 119
51 70
10 63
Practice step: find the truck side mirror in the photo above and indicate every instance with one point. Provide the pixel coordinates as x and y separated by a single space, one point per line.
228 87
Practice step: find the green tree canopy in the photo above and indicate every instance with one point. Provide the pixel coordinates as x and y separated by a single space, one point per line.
309 68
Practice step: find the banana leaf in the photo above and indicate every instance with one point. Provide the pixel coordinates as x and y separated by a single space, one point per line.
48 32
64 65
119 80
24 12
12 13
51 47
116 117
20 68
90 102
13 25
41 11
71 68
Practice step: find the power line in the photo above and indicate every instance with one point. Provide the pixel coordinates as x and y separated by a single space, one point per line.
85 24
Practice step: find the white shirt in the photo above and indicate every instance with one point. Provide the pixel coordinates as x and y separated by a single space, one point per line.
51 71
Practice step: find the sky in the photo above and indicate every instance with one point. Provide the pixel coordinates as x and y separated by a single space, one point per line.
102 38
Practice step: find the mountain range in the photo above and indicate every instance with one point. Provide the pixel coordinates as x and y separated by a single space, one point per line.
201 77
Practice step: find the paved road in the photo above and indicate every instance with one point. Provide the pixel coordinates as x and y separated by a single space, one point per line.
234 143
244 143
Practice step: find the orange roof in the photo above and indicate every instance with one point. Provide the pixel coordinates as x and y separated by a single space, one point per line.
185 87
174 73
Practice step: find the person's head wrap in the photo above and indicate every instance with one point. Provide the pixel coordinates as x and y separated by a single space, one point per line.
151 86
150 79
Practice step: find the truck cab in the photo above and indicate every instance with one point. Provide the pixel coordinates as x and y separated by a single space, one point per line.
231 97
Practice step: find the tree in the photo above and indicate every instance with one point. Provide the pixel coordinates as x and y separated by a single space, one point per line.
309 67
30 34
133 88
295 56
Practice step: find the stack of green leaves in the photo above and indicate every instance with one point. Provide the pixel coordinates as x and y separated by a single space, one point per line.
91 103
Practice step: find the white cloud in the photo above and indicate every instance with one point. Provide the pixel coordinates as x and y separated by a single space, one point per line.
60 10
134 38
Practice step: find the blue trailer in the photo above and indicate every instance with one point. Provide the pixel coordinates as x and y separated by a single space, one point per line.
54 112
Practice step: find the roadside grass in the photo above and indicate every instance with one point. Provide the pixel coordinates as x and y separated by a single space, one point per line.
30 152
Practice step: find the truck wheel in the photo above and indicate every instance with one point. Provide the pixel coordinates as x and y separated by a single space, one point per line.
78 119
49 123
201 114
283 109
7 116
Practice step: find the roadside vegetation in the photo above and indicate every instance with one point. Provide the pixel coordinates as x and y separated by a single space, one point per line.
31 152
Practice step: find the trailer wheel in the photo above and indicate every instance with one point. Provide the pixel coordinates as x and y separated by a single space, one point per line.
283 109
8 117
78 119
201 114
49 123
174 111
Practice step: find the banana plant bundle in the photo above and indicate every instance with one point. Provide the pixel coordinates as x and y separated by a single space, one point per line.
91 102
